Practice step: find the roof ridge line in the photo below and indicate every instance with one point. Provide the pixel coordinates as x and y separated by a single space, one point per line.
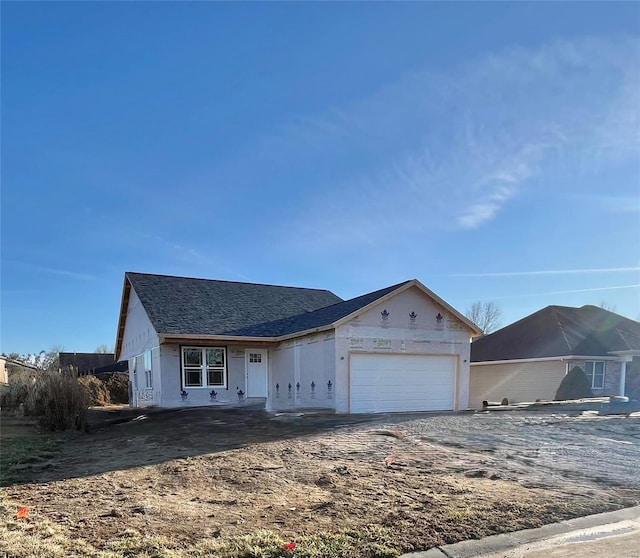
564 335
362 295
226 281
390 289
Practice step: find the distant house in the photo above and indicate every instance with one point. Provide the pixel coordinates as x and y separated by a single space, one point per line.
527 360
4 374
206 342
84 364
9 366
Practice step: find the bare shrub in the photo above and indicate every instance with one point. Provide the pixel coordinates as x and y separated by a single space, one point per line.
118 386
15 393
59 401
96 389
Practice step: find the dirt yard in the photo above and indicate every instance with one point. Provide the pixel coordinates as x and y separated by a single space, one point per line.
195 474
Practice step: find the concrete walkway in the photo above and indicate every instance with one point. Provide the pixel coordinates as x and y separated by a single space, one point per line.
602 535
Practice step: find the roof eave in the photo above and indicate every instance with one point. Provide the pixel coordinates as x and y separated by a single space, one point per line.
180 337
305 332
122 318
626 355
373 303
475 331
542 359
167 337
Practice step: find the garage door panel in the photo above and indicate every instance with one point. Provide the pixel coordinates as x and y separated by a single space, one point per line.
392 383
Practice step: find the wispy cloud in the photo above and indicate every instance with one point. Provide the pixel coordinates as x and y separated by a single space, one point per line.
52 271
452 150
548 272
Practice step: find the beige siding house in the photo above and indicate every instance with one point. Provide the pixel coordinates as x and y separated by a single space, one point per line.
517 381
9 367
527 360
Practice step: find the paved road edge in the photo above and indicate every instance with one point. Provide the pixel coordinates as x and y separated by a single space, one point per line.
508 541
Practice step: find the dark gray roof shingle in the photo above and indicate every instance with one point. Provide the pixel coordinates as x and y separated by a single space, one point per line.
311 320
184 305
85 362
559 331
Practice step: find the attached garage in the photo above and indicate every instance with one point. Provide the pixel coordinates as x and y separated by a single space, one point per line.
382 383
517 381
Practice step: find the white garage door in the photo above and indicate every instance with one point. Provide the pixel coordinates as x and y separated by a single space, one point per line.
395 383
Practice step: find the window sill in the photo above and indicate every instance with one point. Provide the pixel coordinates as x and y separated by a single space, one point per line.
205 387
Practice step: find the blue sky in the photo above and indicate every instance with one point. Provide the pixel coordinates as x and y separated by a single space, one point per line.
488 149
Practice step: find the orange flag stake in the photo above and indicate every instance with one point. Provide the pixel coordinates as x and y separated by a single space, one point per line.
22 512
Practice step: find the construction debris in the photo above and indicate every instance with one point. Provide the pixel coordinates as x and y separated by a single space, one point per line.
610 405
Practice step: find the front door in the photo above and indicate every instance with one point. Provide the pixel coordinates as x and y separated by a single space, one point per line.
256 365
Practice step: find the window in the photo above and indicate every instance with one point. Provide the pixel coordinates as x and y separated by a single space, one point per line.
255 357
595 372
135 373
204 367
148 370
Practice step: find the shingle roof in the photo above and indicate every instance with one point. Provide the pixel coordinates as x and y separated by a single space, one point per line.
114 367
183 305
318 318
85 362
559 331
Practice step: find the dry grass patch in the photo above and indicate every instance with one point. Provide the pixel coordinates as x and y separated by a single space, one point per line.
24 448
195 484
38 537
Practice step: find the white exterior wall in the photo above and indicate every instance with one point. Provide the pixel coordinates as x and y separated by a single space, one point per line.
281 375
170 355
398 333
302 362
140 336
324 357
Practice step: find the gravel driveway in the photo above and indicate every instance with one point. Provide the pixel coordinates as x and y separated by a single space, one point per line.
535 448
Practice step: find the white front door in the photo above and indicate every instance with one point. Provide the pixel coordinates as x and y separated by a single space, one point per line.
256 365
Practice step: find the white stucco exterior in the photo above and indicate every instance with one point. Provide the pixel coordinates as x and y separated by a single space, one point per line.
402 333
307 364
411 326
140 337
309 371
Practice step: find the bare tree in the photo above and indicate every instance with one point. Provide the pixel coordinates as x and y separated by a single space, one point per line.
103 349
608 306
50 360
486 315
44 360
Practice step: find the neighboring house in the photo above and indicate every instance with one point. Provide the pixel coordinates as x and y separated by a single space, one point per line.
4 374
84 364
527 360
111 368
9 366
206 342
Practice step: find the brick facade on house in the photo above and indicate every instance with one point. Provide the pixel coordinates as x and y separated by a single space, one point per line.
611 377
632 383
